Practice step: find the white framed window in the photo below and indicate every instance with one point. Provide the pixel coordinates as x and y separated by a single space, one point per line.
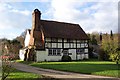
54 52
50 51
58 52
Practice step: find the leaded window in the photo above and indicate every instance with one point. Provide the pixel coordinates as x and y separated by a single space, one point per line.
54 52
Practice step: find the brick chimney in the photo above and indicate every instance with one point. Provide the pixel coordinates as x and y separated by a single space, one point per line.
36 35
36 16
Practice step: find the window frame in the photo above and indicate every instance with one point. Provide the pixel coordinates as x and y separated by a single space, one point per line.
55 52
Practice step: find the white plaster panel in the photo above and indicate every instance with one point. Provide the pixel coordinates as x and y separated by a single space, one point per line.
27 39
21 54
48 39
74 45
78 45
86 56
53 45
43 56
80 56
86 50
59 40
65 40
59 45
82 45
73 51
66 45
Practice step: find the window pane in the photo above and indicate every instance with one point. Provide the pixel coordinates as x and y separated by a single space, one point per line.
54 52
50 52
58 52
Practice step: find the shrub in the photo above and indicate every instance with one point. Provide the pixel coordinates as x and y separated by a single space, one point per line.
102 55
6 66
90 52
66 58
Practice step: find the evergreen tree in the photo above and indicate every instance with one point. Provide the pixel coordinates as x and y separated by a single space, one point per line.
100 36
93 40
111 35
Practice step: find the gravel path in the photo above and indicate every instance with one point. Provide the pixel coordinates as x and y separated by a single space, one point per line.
59 74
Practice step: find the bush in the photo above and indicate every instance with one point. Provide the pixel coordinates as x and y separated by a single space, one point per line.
66 58
6 66
90 52
102 55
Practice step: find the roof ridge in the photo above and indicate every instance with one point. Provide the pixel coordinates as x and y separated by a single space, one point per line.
59 22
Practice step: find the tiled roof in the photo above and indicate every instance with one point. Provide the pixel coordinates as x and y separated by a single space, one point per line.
62 30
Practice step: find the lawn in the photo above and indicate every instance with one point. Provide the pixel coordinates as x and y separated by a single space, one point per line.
20 75
104 68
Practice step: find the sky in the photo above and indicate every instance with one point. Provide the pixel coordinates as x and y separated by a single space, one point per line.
91 15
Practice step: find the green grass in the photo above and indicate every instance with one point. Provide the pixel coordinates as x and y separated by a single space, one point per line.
20 75
104 68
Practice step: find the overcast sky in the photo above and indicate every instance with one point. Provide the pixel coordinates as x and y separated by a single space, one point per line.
92 16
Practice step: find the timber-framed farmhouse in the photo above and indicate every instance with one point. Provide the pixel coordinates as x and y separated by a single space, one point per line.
53 39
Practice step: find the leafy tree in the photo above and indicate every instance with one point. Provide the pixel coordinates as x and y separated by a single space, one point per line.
6 66
110 46
21 38
6 59
11 47
93 40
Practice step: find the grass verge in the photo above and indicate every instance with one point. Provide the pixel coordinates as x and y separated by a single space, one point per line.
20 75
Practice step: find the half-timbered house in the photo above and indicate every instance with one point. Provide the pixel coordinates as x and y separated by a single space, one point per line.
53 39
